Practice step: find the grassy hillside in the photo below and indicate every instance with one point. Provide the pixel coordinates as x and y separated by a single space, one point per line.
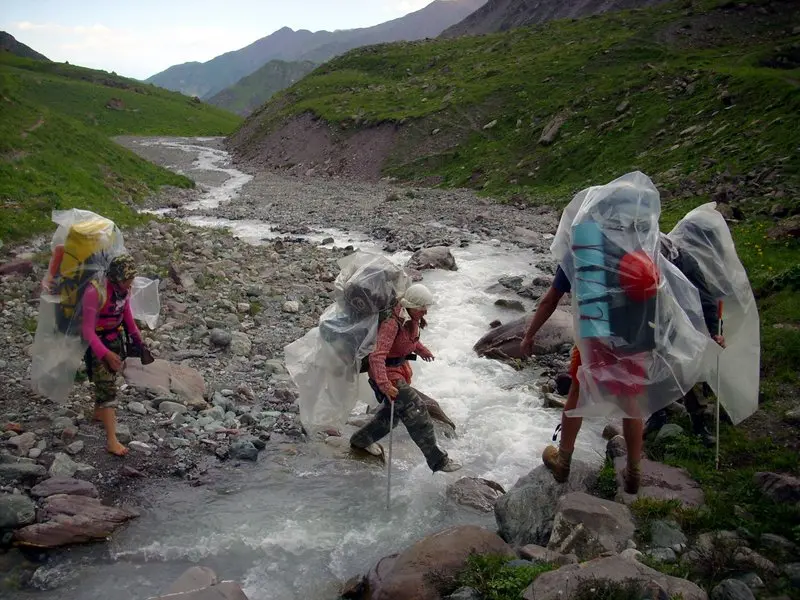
252 91
55 150
702 95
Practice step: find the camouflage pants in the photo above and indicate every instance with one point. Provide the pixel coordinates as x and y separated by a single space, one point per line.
103 378
408 408
696 400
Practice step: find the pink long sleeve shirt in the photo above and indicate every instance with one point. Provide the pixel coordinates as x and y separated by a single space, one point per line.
395 340
106 319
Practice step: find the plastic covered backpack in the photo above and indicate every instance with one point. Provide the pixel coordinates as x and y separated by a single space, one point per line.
82 249
326 362
638 320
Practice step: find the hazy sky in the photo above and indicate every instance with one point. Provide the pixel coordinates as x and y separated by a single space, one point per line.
140 38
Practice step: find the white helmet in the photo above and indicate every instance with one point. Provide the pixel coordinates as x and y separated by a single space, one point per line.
417 296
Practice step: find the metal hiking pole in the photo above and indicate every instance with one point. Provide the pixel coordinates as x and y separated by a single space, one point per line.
389 461
719 333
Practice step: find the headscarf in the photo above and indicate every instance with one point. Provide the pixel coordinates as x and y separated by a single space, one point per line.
122 268
417 296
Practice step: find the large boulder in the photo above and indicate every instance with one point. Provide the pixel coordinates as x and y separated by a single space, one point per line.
588 526
503 342
436 257
413 574
526 512
560 584
661 482
73 520
779 486
474 492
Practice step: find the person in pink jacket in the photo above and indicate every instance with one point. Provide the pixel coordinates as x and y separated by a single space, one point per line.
106 319
390 377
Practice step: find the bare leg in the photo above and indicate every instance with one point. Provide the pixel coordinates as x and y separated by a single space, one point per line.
109 418
558 460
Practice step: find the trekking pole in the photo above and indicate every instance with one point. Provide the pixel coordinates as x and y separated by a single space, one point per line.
389 462
719 333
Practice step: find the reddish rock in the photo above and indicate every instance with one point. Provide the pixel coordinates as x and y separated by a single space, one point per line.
412 574
662 482
16 267
64 485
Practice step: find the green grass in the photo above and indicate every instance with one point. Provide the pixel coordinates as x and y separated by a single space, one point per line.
493 579
55 151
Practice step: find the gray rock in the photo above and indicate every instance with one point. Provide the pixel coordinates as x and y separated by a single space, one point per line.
194 578
240 344
63 466
538 554
243 450
668 432
611 431
172 408
274 367
631 554
137 408
792 571
664 555
291 306
732 589
175 442
64 485
60 423
16 472
22 443
34 453
464 593
141 448
220 337
75 447
557 585
436 257
778 545
16 511
751 580
510 304
779 487
588 526
51 577
664 534
526 512
746 559
616 447
123 433
480 494
550 132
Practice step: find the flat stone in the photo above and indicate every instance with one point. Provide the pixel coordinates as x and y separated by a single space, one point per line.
21 472
64 485
588 526
557 585
16 511
63 466
22 443
661 482
75 447
194 578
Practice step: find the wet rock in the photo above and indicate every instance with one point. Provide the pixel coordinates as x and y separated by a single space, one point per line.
473 492
435 410
526 512
50 577
437 257
503 342
616 447
412 574
73 520
779 486
563 384
243 450
554 401
539 554
64 485
588 526
21 472
16 511
557 585
664 534
240 344
220 337
225 590
194 578
661 482
510 304
732 589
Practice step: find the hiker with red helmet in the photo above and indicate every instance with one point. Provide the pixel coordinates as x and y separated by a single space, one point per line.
639 336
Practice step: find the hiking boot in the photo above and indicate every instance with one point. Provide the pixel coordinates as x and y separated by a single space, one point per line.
450 466
632 478
558 462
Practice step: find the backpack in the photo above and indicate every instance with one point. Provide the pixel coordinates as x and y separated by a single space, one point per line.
81 260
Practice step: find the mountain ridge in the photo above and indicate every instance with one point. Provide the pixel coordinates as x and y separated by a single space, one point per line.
211 77
11 44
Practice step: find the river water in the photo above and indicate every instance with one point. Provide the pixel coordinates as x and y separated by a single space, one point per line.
300 521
